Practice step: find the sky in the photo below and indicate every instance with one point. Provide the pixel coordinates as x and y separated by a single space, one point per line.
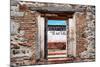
56 22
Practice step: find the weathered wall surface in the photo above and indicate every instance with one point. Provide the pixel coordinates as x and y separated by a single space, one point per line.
25 28
23 35
85 30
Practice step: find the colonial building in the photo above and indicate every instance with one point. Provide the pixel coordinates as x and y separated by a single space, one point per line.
30 43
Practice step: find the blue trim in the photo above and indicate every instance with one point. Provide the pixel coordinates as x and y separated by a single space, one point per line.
56 22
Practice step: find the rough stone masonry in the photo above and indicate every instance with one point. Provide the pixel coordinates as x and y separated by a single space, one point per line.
24 31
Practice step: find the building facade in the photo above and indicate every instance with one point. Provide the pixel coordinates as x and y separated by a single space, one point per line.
29 38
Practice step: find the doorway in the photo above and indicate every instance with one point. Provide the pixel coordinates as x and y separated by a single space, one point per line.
56 39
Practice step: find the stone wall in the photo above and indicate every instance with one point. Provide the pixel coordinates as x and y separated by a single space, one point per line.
26 26
23 35
85 29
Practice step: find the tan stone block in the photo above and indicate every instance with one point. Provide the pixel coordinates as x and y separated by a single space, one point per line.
26 28
28 25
